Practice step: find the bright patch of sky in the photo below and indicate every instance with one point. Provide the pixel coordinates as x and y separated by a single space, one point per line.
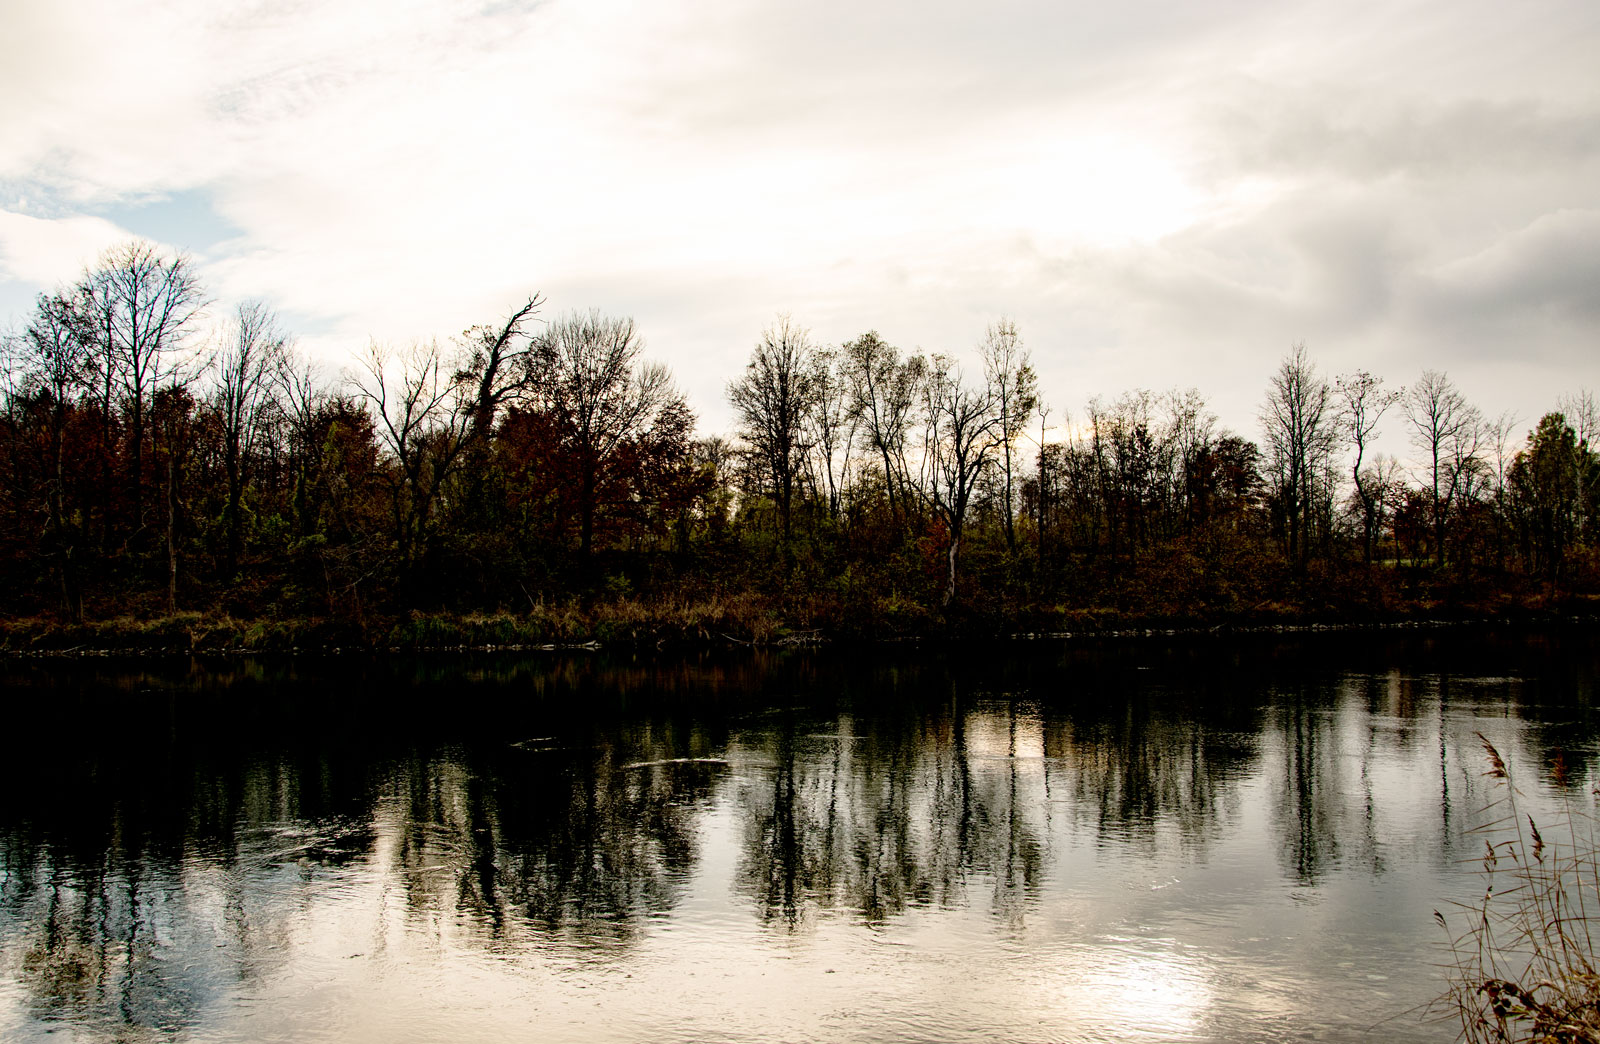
1158 194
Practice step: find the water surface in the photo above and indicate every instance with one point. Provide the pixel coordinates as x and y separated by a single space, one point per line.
1208 841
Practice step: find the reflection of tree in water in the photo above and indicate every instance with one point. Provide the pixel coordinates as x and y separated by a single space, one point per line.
1332 739
1311 796
168 843
1147 758
870 814
149 899
884 809
582 837
1008 782
134 891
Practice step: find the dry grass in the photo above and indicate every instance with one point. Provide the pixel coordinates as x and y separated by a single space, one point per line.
1524 968
738 617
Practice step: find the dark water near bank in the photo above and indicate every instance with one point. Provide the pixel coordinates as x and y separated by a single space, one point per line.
1195 841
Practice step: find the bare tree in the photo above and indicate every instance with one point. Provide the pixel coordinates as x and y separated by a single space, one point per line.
1114 430
1298 422
886 391
831 425
1497 458
1364 401
495 369
1014 387
249 363
301 395
588 375
962 431
1385 477
54 366
1047 478
1137 469
497 365
774 400
1583 413
422 416
1449 434
1188 438
139 305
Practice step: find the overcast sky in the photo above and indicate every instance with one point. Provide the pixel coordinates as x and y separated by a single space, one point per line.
1159 194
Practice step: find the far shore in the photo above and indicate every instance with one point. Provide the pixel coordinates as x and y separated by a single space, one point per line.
726 623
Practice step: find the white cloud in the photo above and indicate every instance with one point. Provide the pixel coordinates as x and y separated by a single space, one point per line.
48 251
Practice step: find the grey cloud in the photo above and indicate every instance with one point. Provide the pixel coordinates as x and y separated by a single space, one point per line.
1305 265
1552 264
1337 132
1356 279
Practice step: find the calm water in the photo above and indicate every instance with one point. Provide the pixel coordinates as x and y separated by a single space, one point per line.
1213 841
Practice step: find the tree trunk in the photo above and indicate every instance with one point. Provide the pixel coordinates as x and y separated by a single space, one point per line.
888 483
172 534
785 508
136 466
1010 519
954 555
71 604
235 533
586 517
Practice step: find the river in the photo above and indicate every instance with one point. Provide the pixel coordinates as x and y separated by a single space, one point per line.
1158 839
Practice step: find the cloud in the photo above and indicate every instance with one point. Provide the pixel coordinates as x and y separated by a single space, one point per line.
48 251
1158 194
1364 135
1551 266
1524 307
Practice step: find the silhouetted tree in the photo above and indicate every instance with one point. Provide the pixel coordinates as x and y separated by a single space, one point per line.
498 365
1014 387
172 414
138 305
1298 422
831 426
962 431
886 391
774 401
248 364
588 376
1448 432
1363 402
423 418
54 366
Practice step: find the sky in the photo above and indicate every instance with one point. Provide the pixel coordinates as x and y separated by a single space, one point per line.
1159 195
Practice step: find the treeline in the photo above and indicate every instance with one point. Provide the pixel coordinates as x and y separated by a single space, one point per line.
542 461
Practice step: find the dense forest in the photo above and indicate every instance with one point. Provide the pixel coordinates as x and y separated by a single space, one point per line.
537 478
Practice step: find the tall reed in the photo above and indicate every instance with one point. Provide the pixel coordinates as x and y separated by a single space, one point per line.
1524 969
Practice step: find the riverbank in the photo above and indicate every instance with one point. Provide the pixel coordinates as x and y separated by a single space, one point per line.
742 619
